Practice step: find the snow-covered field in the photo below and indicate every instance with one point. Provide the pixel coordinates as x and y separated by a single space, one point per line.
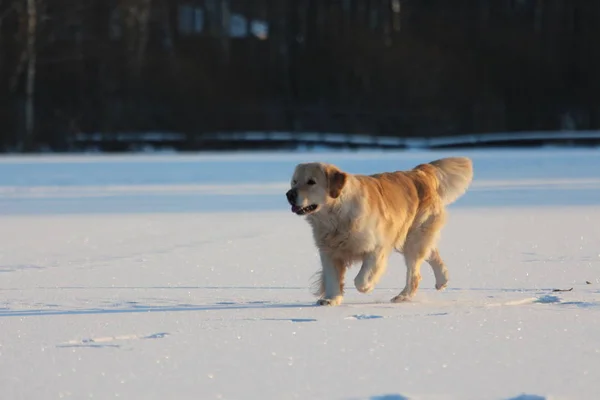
187 277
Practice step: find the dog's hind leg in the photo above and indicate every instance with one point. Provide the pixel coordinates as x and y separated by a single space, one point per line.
439 269
413 275
372 268
332 277
418 247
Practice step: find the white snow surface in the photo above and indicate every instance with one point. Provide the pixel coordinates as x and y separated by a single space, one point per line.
187 277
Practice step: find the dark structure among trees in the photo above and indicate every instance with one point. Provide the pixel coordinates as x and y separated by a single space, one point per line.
409 68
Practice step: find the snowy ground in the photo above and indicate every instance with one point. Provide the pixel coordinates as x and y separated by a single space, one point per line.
186 277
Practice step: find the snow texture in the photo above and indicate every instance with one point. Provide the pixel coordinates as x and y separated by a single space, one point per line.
186 277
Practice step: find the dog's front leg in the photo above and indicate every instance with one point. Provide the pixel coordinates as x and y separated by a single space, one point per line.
333 280
373 266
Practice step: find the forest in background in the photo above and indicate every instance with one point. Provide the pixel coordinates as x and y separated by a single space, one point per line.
400 68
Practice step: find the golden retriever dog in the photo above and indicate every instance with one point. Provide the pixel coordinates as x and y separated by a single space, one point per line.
363 218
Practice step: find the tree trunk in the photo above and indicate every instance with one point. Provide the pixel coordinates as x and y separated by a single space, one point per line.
30 84
225 26
143 21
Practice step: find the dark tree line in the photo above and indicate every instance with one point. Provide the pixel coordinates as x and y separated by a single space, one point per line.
386 67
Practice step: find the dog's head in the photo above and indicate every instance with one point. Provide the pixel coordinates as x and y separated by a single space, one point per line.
313 186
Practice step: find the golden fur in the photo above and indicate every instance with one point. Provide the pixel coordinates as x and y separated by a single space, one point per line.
360 218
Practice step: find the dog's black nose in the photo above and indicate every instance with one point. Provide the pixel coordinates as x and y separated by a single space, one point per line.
291 195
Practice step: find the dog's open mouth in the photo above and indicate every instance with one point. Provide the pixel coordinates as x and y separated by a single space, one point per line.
304 210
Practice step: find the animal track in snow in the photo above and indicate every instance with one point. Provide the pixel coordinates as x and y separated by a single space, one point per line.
106 341
548 299
285 319
21 267
364 316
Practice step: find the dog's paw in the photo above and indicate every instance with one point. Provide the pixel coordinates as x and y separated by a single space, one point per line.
401 298
363 286
365 289
330 302
441 279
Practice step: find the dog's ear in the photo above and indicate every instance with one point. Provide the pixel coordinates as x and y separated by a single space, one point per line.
336 180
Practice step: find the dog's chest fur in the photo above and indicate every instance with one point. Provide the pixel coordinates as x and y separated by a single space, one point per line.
342 233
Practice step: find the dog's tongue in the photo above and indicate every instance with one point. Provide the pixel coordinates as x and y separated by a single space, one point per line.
295 209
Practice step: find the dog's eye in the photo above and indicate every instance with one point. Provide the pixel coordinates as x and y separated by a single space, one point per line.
293 182
311 182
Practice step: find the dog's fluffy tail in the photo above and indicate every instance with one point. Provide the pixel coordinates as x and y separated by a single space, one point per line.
454 175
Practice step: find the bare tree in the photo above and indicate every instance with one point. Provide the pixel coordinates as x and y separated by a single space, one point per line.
143 18
27 64
136 17
16 7
30 83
